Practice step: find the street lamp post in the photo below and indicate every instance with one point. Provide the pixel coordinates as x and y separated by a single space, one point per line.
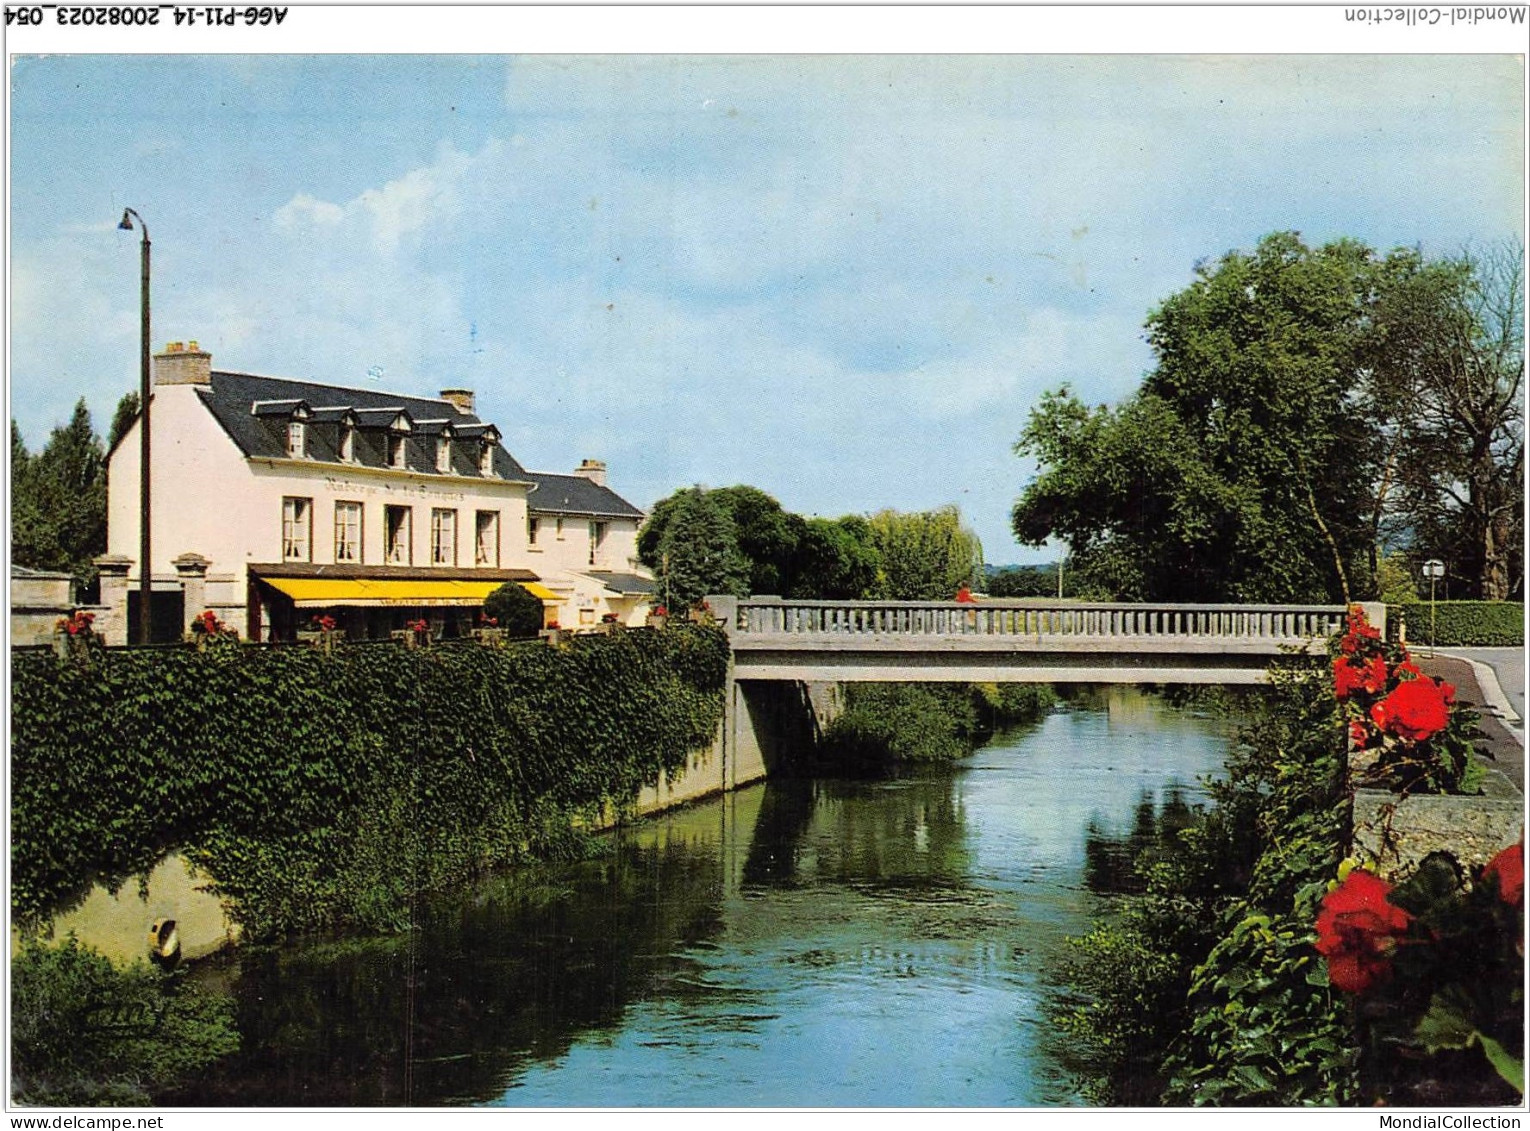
1434 569
145 565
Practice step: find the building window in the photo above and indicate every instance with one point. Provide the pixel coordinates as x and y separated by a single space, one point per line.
396 451
397 542
597 537
347 532
486 539
486 459
443 537
297 436
532 525
443 454
297 518
348 444
558 530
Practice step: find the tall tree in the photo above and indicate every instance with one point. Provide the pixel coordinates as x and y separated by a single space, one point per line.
1241 469
59 499
697 552
1458 435
925 555
768 536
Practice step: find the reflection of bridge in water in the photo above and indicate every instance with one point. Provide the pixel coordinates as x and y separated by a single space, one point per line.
1018 641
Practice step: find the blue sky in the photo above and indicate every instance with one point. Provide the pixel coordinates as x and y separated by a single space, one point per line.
843 279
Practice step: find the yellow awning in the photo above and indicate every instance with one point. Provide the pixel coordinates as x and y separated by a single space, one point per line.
540 591
324 592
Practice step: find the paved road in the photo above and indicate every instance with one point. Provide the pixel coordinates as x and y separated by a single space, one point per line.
1508 665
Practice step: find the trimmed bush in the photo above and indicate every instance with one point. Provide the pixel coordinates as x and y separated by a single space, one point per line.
325 790
1463 624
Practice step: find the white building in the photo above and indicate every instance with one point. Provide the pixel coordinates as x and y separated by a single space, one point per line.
274 501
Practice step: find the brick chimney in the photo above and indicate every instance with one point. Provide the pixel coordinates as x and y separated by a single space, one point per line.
592 469
183 363
461 399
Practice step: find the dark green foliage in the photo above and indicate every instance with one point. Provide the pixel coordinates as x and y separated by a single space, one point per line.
836 560
696 550
768 537
1463 624
58 499
1206 989
885 724
84 1032
122 419
517 611
324 790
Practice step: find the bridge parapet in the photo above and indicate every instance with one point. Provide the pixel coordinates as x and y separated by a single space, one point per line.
751 619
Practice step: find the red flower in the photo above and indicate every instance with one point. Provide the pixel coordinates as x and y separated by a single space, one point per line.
1358 930
1415 710
1358 734
1348 676
552 624
1508 868
1407 668
660 611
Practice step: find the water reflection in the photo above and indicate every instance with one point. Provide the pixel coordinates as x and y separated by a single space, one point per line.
801 943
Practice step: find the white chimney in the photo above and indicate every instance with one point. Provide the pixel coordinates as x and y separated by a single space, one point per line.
592 469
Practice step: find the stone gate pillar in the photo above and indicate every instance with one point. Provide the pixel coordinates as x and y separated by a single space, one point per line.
112 623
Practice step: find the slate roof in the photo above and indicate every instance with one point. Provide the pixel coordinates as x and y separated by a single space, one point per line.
574 494
626 584
232 396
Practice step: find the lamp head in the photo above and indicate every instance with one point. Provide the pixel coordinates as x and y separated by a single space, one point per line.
127 222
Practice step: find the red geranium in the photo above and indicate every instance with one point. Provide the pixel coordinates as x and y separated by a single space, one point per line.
1358 931
1357 733
1508 868
1416 709
1369 676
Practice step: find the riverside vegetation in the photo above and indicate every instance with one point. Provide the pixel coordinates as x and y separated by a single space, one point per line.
1261 966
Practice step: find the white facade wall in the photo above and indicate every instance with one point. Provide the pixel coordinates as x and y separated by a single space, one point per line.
209 499
618 551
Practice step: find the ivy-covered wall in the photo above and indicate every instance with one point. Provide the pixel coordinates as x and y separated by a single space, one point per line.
325 790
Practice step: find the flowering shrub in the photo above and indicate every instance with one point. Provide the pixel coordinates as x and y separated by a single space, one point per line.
660 611
1358 931
1436 965
419 627
1420 739
487 621
78 623
552 624
209 627
325 623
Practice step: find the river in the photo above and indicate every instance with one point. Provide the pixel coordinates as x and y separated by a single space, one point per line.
814 943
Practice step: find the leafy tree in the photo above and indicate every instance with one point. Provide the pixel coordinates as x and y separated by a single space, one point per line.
59 499
925 555
1241 469
517 611
836 560
768 536
697 552
122 419
1453 381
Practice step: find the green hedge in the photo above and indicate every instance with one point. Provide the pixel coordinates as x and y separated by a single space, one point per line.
1460 624
327 790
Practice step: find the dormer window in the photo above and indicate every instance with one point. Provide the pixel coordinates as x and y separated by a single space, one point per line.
443 454
396 451
297 438
486 458
348 443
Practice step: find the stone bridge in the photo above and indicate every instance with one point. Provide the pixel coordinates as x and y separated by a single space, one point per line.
1018 641
789 658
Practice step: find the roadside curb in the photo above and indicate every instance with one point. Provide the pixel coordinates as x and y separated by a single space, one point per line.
1492 693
